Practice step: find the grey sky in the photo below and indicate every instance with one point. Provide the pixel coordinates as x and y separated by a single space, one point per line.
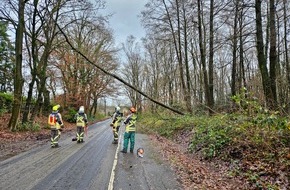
125 20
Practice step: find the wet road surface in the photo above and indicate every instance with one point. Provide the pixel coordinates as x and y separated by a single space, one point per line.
95 164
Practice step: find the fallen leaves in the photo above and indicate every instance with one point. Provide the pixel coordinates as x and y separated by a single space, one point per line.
13 143
192 172
288 156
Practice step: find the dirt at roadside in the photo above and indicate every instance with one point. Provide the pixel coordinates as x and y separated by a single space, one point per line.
193 173
13 143
12 146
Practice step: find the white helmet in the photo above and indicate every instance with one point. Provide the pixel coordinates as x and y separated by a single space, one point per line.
118 108
82 109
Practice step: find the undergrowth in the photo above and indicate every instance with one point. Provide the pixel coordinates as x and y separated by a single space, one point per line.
260 139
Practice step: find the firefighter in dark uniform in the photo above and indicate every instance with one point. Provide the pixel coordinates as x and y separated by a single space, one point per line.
81 121
116 122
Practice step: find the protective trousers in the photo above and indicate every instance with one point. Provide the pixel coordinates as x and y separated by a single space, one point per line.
55 135
116 133
129 136
80 134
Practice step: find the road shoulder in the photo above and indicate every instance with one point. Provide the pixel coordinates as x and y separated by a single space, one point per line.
149 172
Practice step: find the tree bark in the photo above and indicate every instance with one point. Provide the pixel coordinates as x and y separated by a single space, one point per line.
33 64
242 79
18 79
286 43
210 63
202 55
262 57
273 52
188 78
235 44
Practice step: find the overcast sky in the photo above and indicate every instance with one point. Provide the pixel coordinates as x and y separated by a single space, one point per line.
125 20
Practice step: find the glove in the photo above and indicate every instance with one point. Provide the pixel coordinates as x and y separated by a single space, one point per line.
111 124
60 129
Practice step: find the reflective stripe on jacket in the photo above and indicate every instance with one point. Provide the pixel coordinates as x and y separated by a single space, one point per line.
81 119
117 118
130 123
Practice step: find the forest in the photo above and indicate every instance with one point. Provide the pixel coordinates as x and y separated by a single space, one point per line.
221 60
196 57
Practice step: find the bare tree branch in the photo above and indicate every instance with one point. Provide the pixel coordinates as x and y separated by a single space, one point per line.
115 76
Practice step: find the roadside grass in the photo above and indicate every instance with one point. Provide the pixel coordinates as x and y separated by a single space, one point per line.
254 146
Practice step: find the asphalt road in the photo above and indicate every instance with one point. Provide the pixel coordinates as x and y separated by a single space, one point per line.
95 164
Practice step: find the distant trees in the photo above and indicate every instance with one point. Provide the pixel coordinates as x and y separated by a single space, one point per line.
52 71
231 45
195 57
6 59
132 71
83 83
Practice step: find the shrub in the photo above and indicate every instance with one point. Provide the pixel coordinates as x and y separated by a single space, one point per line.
210 136
69 115
6 102
98 116
29 127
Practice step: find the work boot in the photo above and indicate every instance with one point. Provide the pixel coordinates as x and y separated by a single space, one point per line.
123 151
115 142
131 151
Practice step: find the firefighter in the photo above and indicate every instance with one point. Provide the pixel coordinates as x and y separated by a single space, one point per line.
56 126
82 122
130 130
116 122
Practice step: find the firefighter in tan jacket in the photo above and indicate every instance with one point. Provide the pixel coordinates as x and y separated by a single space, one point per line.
82 122
56 126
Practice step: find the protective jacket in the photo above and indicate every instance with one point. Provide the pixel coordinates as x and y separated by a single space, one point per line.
55 128
58 122
81 119
130 122
117 118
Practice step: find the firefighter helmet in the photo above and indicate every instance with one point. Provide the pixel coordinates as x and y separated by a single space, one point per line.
56 107
82 109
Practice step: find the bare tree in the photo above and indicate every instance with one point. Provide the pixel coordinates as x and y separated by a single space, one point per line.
262 61
273 52
201 35
82 82
132 70
18 80
211 58
235 44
